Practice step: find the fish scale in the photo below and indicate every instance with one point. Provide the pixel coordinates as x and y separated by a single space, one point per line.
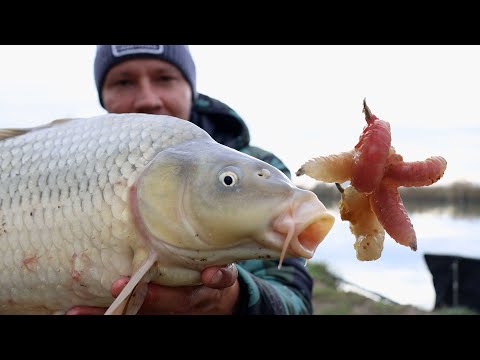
50 215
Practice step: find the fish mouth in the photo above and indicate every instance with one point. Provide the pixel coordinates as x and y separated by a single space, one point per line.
300 228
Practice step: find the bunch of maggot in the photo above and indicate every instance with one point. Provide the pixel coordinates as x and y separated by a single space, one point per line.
372 203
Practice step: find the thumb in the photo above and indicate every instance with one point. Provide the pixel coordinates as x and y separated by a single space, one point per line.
220 277
118 285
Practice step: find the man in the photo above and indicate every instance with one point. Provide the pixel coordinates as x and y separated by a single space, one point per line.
161 79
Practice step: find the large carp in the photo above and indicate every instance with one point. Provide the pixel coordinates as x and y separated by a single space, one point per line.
85 201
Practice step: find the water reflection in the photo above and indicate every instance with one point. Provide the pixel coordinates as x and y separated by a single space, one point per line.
402 274
465 211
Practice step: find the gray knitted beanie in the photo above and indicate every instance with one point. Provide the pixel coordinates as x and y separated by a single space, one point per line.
110 55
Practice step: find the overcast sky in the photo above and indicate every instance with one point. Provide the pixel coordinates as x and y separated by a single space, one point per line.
298 101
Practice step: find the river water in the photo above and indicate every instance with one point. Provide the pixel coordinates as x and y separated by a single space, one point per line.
401 274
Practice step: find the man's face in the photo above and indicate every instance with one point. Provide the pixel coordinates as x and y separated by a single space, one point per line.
149 86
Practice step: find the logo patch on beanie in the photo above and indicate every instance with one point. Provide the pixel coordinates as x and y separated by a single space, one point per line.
122 50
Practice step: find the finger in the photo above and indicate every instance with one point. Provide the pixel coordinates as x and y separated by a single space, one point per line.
216 277
172 300
86 310
161 299
181 300
118 285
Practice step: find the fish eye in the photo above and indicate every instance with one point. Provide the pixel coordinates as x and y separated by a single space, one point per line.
228 178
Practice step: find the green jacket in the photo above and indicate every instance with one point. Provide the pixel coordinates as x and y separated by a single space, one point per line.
264 288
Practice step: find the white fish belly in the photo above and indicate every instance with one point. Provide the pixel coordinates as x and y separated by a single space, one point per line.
65 227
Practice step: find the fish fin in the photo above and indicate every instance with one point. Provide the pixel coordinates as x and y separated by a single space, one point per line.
131 298
8 133
58 122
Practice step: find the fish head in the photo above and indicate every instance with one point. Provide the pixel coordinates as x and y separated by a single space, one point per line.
207 201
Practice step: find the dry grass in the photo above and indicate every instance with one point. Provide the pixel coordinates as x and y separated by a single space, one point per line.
329 300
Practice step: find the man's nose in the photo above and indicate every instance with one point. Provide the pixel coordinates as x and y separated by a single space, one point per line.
148 100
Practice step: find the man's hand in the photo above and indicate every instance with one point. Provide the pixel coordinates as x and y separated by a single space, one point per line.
219 295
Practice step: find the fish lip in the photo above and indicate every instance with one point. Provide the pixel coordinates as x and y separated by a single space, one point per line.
310 234
320 225
311 221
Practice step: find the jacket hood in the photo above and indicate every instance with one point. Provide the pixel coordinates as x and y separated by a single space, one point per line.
220 121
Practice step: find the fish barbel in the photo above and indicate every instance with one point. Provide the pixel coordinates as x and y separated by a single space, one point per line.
85 201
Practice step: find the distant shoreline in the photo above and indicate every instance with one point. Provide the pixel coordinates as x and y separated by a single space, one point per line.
463 197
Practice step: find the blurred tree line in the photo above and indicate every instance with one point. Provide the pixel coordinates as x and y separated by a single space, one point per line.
460 198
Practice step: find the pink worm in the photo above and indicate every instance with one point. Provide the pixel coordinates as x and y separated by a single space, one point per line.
416 173
387 204
371 152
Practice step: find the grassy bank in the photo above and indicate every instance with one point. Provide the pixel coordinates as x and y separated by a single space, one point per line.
328 299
